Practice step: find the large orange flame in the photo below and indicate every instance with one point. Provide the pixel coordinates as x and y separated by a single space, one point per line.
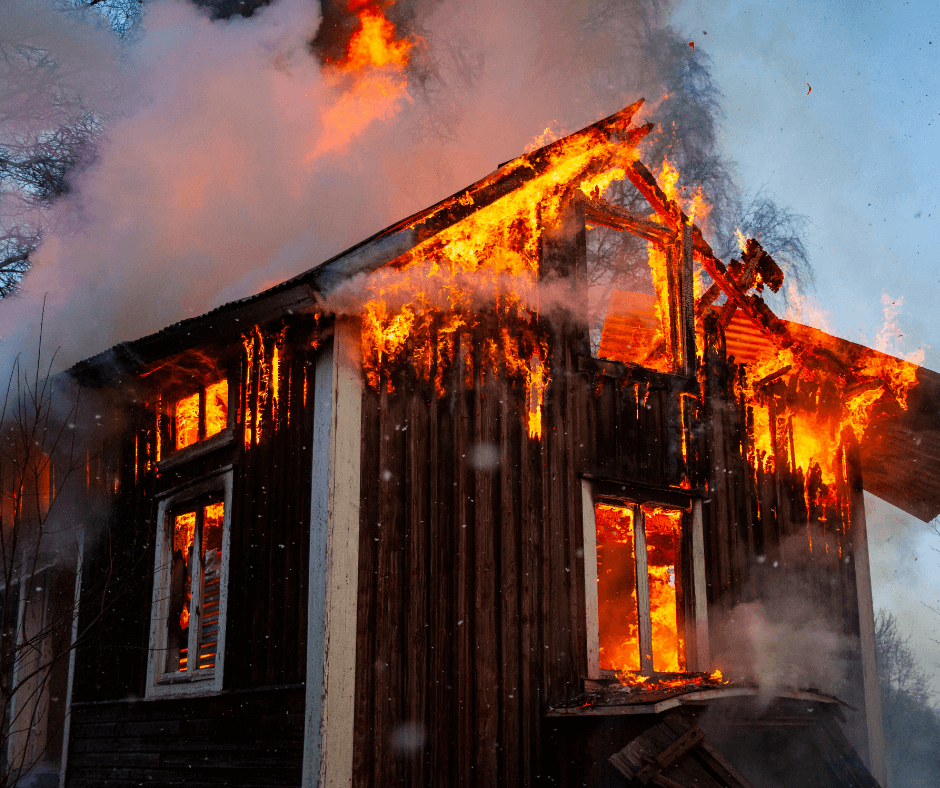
807 432
480 276
370 77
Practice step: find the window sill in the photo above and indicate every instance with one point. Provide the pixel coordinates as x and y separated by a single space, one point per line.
181 456
174 687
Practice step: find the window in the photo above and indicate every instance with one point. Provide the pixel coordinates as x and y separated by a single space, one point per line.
644 577
639 287
187 625
197 416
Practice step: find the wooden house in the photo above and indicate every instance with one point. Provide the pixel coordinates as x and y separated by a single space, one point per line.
415 540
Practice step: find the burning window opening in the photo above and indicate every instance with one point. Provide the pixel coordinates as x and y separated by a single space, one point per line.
194 594
640 626
637 292
198 416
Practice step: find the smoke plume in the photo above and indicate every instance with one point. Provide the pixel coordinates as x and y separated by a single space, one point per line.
236 158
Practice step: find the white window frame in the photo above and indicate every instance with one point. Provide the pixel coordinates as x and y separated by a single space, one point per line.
206 681
696 631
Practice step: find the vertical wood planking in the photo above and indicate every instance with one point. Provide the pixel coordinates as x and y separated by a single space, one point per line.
464 592
485 670
415 663
390 614
531 566
443 708
365 623
508 587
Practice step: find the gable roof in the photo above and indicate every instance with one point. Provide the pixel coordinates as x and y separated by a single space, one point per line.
306 289
901 456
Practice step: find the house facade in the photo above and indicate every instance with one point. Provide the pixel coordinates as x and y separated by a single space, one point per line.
454 553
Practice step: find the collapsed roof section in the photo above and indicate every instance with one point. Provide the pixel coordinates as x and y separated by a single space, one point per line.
901 454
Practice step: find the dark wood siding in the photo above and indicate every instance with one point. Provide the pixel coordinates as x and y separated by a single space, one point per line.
267 595
252 738
470 579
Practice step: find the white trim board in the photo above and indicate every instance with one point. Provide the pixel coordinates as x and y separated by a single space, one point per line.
334 561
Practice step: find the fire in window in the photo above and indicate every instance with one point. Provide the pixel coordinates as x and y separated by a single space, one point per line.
639 609
194 550
200 415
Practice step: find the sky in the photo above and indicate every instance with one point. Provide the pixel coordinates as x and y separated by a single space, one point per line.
859 154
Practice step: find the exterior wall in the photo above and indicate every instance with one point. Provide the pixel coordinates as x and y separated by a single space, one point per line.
471 575
260 712
470 586
251 738
783 538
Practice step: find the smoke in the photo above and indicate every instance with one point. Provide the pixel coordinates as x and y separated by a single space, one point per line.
787 640
236 159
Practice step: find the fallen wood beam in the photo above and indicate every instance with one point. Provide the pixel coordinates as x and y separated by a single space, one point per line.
691 738
607 214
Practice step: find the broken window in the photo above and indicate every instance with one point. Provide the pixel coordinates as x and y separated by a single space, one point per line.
639 287
634 561
199 415
189 604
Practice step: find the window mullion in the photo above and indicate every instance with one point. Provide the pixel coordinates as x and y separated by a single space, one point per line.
643 592
195 602
201 428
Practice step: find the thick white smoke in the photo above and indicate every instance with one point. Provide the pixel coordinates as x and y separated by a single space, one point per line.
226 170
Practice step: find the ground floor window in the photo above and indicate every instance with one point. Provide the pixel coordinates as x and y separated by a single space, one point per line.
638 615
640 583
187 630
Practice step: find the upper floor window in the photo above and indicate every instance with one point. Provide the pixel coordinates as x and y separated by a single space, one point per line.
200 415
639 286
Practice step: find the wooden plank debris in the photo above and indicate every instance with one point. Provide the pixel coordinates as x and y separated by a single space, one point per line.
673 754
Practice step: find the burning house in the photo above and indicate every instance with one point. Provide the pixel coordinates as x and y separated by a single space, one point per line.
470 504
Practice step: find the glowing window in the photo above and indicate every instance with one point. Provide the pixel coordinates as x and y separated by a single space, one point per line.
639 622
195 572
200 415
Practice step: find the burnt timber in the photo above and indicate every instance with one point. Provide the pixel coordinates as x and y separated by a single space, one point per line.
407 588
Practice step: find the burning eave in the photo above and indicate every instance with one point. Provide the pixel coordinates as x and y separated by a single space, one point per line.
313 286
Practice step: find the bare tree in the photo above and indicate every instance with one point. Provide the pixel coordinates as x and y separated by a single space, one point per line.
48 128
38 458
911 718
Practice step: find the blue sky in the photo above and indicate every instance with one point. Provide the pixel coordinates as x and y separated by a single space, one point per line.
859 155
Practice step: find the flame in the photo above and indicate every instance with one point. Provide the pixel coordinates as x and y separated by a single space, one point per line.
807 431
216 408
742 241
650 684
474 286
374 44
663 528
187 421
616 588
617 591
371 79
668 179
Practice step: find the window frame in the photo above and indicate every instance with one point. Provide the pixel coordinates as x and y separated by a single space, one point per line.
170 455
209 680
695 629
